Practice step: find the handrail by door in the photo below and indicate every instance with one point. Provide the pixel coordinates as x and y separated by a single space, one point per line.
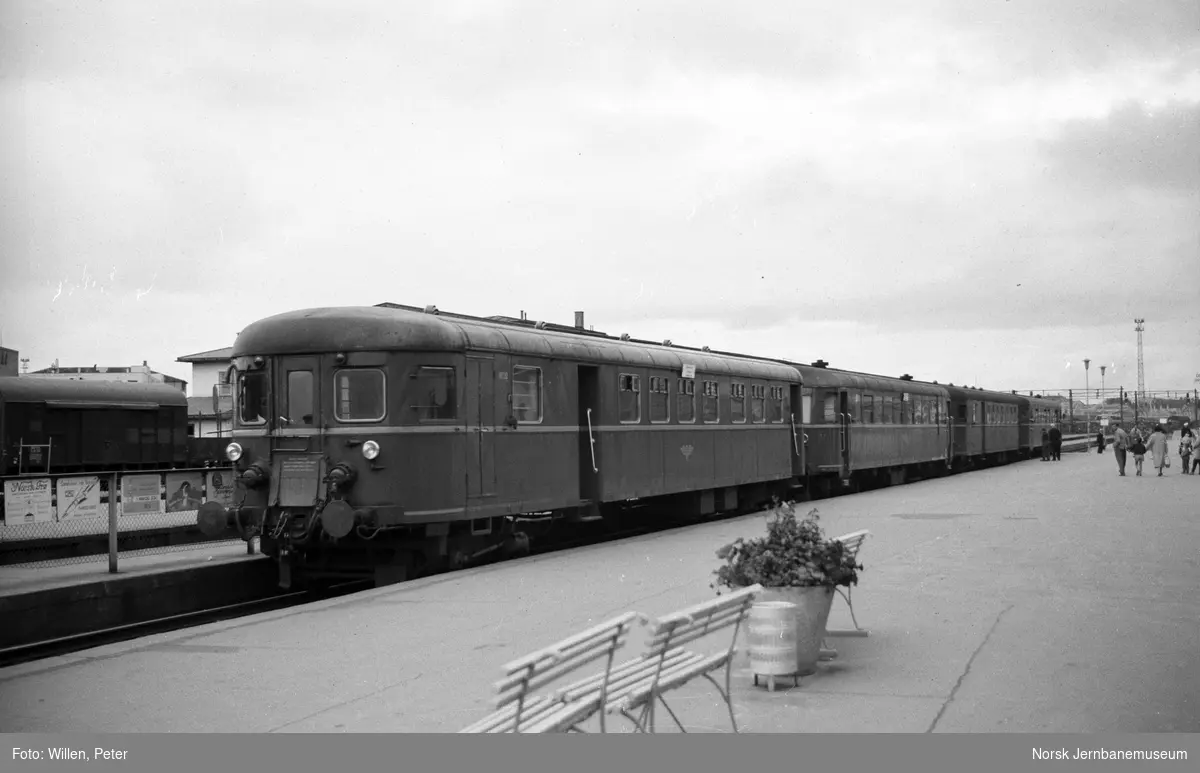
592 440
795 440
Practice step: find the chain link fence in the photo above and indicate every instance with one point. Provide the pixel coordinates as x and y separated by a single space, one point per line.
61 519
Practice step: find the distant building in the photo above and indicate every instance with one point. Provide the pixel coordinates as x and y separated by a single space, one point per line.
134 374
8 362
210 369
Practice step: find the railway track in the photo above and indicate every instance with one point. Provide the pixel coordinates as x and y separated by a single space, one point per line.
40 650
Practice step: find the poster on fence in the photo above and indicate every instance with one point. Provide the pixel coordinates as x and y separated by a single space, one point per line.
79 498
184 491
141 494
220 487
27 500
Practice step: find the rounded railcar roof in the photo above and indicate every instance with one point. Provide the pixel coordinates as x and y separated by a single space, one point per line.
372 328
826 377
35 389
964 393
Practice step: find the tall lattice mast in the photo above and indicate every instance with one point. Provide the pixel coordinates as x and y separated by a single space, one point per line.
1139 327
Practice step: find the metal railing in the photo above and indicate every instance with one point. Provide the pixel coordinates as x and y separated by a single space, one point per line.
66 518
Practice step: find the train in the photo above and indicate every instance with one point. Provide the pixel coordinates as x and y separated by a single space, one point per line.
388 441
51 426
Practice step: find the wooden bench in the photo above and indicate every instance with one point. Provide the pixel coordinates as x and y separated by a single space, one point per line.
853 542
636 686
520 709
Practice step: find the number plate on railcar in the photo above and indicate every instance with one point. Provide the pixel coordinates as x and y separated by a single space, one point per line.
299 479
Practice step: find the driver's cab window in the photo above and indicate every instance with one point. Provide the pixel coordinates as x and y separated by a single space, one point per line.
299 408
252 398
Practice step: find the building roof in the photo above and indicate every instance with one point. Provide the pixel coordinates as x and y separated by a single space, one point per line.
212 355
40 389
202 407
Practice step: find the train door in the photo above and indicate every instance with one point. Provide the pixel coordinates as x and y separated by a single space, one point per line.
846 420
589 445
481 426
799 439
297 479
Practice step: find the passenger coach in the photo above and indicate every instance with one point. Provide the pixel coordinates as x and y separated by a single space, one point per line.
870 429
393 438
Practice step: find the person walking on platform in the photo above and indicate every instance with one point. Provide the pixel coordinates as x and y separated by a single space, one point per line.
1045 445
1185 452
1157 445
1056 443
1100 441
1120 443
1138 449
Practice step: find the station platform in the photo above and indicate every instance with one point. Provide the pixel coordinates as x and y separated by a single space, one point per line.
1035 597
53 599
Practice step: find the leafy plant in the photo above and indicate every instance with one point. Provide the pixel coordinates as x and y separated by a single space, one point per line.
794 554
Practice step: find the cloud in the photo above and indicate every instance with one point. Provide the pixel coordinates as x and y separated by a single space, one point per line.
1132 147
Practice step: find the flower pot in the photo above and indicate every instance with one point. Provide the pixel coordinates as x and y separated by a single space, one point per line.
771 638
811 615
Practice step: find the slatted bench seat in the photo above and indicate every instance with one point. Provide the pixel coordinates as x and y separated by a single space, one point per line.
520 709
853 542
637 686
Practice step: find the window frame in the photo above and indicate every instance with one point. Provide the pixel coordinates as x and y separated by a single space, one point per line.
665 381
635 388
456 418
540 401
737 393
383 402
715 397
239 404
685 387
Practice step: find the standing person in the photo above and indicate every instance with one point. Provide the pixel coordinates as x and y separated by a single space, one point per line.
1045 445
1120 443
1157 445
1056 443
1139 451
1185 451
1100 441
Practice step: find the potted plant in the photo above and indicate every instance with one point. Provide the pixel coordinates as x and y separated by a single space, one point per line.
795 563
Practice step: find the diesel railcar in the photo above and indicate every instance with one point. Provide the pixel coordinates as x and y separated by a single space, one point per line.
50 426
394 438
389 439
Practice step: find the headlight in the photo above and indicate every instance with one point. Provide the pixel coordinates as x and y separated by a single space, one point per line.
233 451
370 449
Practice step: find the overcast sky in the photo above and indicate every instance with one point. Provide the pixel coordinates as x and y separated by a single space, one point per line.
975 192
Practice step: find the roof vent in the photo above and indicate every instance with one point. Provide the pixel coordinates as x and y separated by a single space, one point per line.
541 325
431 309
820 364
906 377
667 342
705 349
624 336
579 320
523 317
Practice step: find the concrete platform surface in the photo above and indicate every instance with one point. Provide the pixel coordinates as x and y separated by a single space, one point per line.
1037 597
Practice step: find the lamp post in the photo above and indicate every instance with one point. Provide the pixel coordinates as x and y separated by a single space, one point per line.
1086 415
1103 397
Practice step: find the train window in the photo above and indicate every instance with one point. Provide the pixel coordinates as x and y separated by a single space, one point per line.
359 395
737 403
758 399
855 406
868 409
252 397
776 406
630 398
299 408
806 395
660 408
831 410
685 400
527 394
710 405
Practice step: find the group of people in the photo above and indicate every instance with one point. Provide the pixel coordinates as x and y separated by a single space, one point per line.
1052 445
1156 445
